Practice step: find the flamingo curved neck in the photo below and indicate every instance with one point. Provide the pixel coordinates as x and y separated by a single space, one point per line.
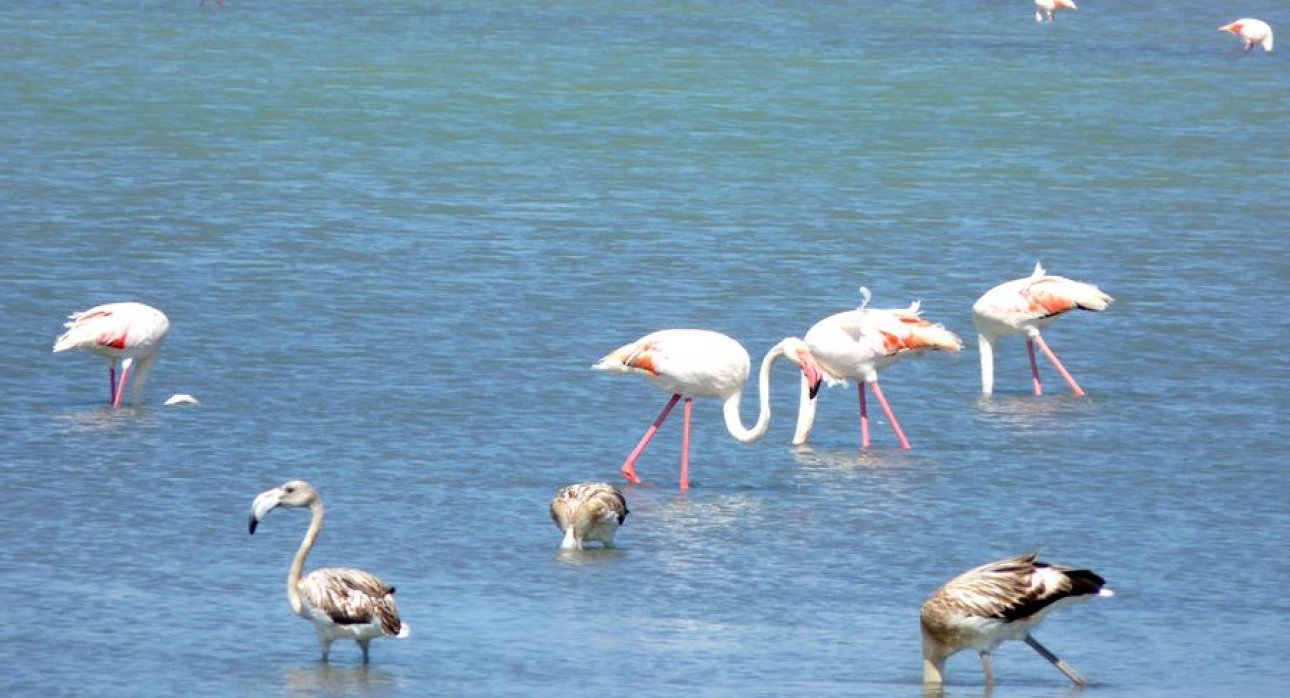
298 562
734 422
985 346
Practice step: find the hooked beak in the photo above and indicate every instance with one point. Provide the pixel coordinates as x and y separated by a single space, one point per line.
812 373
263 504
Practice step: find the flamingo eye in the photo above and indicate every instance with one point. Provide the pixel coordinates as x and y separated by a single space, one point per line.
288 490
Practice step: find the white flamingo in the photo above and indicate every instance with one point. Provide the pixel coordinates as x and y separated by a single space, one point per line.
1251 31
128 334
1044 9
858 344
341 602
999 601
690 363
588 511
1023 307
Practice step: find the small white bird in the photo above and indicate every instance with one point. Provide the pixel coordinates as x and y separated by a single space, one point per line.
588 511
999 601
1024 307
128 334
341 602
689 363
1251 31
1044 9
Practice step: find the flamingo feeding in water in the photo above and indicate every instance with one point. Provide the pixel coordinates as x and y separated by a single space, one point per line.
341 602
858 344
1023 307
1251 31
999 601
128 334
690 363
588 511
1044 9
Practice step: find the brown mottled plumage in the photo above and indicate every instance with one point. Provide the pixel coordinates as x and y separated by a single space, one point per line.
588 511
999 601
341 602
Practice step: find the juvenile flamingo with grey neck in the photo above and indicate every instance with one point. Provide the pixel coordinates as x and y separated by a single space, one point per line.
126 334
341 602
1023 307
690 363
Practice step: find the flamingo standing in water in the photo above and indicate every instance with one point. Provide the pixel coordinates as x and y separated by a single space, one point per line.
1023 307
1251 31
126 334
341 602
690 363
999 601
859 343
1044 9
588 511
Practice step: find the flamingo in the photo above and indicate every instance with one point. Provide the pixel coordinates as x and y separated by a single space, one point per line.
1251 31
123 333
859 343
1023 307
341 602
588 511
690 363
1044 9
999 601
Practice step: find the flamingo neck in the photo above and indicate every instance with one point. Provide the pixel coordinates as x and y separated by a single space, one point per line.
985 345
298 562
805 414
735 423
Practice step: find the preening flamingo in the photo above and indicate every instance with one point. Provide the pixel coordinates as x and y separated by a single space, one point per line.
999 601
341 602
1251 31
1044 9
588 511
858 344
690 363
1023 307
128 334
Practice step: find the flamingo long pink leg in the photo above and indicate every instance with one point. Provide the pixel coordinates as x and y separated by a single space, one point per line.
891 416
864 417
1060 368
120 388
112 384
1034 367
629 467
685 446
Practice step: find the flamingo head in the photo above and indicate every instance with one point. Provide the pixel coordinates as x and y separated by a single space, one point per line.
294 494
801 355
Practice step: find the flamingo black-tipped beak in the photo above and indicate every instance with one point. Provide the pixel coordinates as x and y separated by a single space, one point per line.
250 526
813 378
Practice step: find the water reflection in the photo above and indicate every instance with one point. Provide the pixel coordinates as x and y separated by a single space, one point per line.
331 679
588 556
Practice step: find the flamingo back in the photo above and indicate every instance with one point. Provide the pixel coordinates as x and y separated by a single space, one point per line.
687 362
115 330
350 597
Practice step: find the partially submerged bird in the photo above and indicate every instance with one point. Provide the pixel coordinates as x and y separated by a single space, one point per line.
690 363
1023 307
858 344
1251 31
126 334
341 602
588 511
1044 9
1004 600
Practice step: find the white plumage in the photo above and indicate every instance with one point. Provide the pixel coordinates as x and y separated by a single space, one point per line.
126 334
1252 32
1044 9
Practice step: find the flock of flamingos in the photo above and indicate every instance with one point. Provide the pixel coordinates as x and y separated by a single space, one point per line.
979 609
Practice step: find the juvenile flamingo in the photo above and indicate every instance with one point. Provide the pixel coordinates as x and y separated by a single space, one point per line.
690 363
341 602
588 511
999 601
1251 31
124 333
1023 307
858 344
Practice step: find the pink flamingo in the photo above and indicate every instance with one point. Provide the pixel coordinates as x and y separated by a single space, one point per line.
1044 9
860 343
123 333
1023 307
690 363
1251 31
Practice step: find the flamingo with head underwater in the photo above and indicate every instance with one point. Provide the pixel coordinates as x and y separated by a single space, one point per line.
858 344
1023 307
126 334
690 363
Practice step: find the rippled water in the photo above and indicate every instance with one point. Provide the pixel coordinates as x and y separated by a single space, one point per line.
391 238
